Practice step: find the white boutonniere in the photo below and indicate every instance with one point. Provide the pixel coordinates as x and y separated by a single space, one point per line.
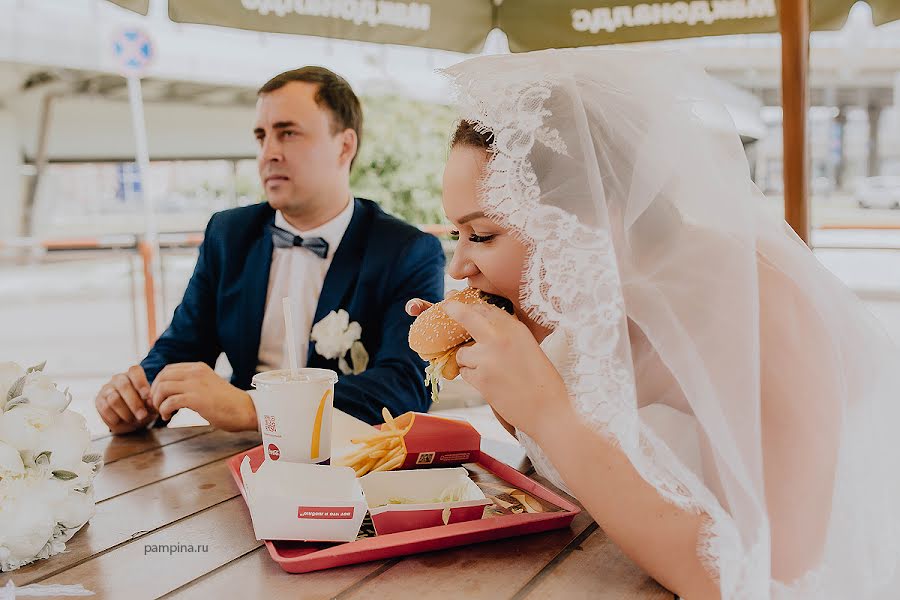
335 335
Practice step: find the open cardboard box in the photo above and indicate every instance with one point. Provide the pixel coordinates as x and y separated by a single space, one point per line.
406 500
295 501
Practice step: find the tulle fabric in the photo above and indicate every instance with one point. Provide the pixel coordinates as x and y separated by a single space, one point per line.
741 379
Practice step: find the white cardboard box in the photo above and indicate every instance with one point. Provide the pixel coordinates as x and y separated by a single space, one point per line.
295 501
418 492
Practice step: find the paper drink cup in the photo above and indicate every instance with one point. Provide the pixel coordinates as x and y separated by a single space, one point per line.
294 413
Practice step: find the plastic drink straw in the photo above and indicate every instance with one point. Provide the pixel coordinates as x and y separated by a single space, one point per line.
289 337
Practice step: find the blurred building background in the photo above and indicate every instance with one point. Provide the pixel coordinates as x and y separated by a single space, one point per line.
70 278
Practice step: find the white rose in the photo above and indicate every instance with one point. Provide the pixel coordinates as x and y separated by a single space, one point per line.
10 461
10 372
43 393
73 420
67 441
48 491
22 426
335 334
75 509
25 525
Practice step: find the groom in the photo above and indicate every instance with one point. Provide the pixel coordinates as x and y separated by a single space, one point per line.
312 242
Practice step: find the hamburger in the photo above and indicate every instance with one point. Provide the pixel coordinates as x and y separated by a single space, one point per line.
437 338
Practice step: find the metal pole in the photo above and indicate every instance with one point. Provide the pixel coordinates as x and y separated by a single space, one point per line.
149 246
40 163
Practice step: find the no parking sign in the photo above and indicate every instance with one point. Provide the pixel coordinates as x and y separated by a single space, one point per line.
133 51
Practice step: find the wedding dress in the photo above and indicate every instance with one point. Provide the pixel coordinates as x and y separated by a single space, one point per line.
741 379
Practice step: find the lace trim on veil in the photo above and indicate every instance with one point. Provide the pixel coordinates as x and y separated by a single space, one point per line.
571 265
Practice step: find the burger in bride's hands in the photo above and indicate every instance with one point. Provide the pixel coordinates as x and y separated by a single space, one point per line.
437 338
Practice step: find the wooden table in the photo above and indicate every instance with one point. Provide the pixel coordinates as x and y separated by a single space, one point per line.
172 487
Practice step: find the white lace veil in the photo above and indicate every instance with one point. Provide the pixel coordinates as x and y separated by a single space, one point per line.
650 251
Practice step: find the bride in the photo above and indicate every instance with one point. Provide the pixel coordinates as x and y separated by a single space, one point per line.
720 403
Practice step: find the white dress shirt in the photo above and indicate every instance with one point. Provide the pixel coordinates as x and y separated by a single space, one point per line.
296 273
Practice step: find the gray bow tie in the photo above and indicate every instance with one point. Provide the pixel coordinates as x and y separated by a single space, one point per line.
286 239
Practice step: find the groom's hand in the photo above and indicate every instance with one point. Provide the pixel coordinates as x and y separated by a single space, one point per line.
198 387
124 402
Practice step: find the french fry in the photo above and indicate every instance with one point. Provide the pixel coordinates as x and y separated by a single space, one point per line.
381 435
388 456
380 451
391 464
366 467
363 452
388 419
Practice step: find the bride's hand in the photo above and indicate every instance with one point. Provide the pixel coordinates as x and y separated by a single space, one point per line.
508 367
416 307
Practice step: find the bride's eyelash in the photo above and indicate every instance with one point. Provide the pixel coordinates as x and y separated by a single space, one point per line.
478 239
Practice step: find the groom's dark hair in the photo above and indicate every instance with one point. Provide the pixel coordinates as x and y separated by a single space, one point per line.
334 94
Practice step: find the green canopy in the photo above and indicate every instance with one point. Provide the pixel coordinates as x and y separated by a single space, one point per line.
462 25
539 24
138 6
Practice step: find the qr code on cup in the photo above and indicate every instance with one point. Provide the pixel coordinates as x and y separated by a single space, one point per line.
270 424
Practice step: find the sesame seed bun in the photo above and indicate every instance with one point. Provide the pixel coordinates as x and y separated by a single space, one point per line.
434 335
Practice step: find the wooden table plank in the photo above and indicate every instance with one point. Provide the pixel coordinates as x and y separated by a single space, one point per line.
598 570
487 570
135 570
256 575
137 513
116 447
148 467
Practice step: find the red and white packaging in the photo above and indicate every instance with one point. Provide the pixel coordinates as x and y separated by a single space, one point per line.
295 501
406 500
437 441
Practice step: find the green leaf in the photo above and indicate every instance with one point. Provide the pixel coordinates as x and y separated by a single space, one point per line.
91 458
36 368
20 401
43 458
17 388
64 475
359 357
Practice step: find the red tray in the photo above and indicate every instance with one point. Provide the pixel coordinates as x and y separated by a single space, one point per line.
303 557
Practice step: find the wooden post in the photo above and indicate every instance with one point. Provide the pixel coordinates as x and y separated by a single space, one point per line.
145 250
793 20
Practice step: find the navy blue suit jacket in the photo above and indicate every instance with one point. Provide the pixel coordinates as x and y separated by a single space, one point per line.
379 265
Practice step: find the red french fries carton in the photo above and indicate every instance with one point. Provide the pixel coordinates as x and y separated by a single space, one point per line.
432 441
295 501
416 499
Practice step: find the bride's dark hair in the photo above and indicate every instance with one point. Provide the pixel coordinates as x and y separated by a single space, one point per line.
469 134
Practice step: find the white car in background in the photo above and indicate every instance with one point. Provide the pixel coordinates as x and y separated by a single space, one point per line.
878 192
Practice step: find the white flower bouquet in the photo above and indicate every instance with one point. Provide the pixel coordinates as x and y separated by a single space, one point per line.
46 472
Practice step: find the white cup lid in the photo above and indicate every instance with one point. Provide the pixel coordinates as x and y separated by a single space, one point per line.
302 376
